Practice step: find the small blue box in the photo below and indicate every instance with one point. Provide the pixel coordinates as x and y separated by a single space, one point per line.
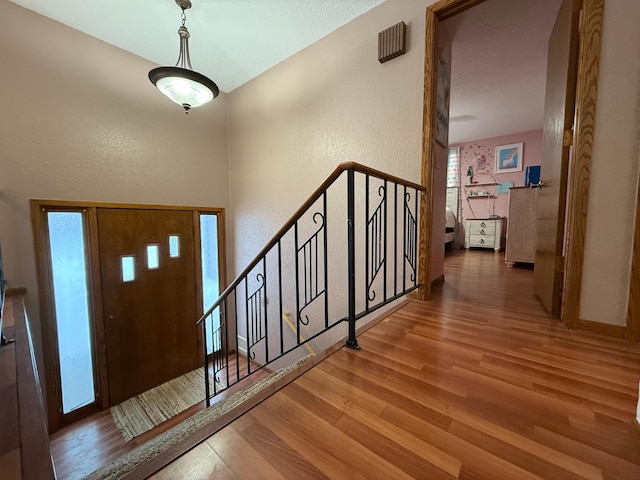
531 175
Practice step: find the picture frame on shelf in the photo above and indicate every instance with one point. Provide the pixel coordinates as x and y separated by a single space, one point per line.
508 158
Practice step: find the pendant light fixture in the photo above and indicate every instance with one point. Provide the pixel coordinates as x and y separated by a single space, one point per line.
181 84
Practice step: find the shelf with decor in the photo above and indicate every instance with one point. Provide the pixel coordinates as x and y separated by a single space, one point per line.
483 184
475 190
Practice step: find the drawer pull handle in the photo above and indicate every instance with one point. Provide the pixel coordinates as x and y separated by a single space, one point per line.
482 232
483 224
482 241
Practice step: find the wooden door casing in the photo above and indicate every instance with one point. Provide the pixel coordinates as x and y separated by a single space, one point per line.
150 330
560 98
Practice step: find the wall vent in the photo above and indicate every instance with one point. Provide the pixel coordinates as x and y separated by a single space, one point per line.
392 42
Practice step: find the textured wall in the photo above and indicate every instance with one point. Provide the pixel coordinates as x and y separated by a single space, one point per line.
81 121
331 103
614 178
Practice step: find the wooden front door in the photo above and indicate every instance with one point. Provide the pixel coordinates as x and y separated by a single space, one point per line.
562 63
148 275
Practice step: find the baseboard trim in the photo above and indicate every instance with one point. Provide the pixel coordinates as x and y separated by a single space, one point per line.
379 318
617 331
242 345
437 281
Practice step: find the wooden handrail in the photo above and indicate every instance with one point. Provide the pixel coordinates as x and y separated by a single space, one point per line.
356 167
35 453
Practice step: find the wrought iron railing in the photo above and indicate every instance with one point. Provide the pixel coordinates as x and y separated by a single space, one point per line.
326 265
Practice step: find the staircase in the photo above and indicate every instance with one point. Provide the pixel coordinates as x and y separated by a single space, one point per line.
327 268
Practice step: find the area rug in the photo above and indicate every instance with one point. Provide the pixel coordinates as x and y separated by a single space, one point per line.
140 414
197 423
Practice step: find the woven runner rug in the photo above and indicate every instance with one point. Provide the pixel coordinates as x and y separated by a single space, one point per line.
140 414
178 433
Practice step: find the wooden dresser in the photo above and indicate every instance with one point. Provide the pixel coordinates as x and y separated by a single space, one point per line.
521 226
484 233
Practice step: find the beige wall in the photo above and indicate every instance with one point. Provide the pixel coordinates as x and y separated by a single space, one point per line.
614 180
331 103
81 121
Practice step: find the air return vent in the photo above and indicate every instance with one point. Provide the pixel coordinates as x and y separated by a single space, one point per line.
392 42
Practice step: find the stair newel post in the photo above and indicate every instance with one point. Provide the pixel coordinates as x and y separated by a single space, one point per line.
352 342
206 365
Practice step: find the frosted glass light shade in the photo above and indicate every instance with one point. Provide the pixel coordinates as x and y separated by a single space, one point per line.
185 87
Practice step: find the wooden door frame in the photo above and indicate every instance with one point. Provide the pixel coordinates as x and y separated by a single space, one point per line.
579 178
47 312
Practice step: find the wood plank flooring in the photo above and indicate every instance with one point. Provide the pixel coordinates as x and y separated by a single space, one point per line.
475 383
95 441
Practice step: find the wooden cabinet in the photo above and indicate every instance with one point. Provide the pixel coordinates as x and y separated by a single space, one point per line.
484 233
521 225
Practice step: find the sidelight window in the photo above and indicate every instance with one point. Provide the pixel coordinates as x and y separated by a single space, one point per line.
70 285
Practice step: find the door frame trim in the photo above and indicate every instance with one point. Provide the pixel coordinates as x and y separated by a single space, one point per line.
584 130
580 166
45 296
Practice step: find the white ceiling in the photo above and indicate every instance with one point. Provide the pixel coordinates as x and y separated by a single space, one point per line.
498 69
232 41
498 57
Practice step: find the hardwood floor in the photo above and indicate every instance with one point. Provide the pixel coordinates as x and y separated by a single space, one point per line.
95 441
476 383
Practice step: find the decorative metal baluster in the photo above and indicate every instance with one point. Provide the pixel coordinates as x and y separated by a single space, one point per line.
367 243
395 239
309 252
404 233
376 251
280 296
352 342
264 309
410 235
225 345
326 264
235 315
415 239
295 228
246 318
385 249
207 394
256 314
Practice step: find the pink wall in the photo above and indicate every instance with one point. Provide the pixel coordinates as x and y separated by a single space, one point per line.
499 204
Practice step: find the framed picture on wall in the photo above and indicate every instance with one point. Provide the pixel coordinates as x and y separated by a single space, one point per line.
509 158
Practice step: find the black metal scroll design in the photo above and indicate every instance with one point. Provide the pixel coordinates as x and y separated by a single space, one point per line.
410 237
219 359
312 269
377 245
256 315
389 245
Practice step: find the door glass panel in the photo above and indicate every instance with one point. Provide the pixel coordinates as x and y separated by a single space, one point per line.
128 264
153 256
174 246
70 286
210 272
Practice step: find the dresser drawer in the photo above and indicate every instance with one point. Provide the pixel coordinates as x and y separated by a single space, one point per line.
482 228
481 241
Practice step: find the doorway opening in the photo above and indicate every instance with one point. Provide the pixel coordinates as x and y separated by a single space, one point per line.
582 137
